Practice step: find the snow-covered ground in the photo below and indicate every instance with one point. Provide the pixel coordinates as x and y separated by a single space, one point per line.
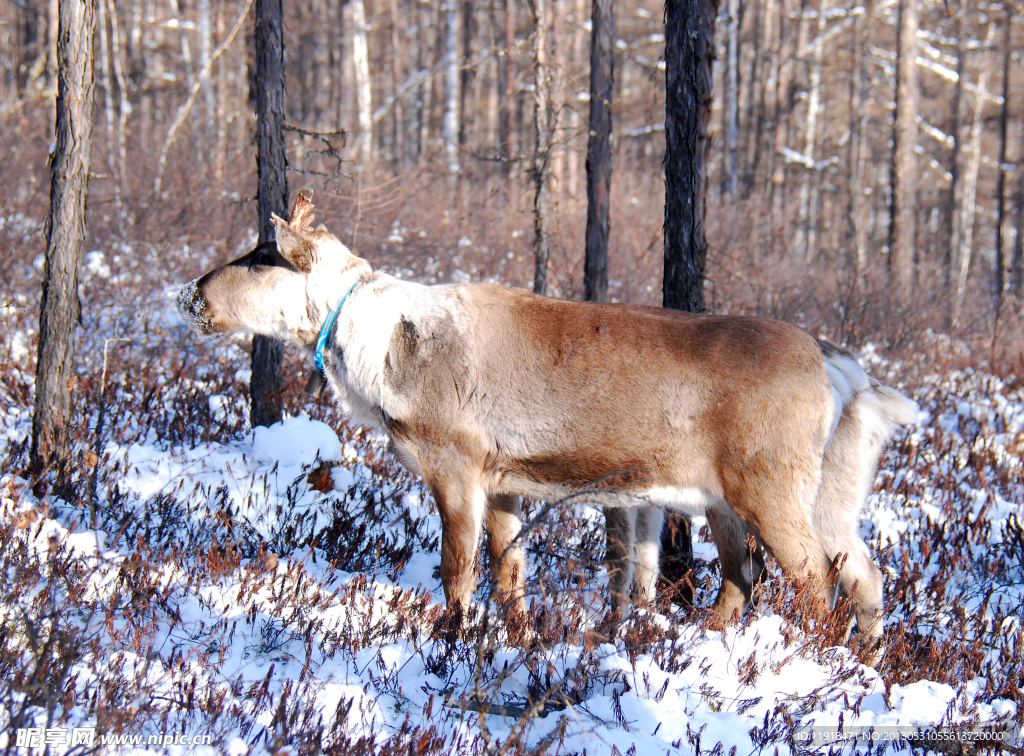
280 588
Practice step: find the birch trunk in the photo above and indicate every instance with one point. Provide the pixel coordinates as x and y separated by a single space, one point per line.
558 94
1018 242
542 137
186 50
780 140
51 52
857 155
510 80
466 72
423 91
221 114
397 112
205 32
807 234
903 173
575 122
108 106
119 145
952 214
971 187
450 120
755 95
1001 272
59 310
732 98
365 147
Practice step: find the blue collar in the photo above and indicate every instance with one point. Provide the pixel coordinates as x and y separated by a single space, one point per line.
327 327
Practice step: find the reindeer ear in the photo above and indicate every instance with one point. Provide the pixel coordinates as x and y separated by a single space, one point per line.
292 240
293 245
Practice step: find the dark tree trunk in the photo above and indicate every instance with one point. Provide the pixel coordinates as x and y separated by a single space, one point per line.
599 179
272 192
60 309
1001 272
599 151
689 58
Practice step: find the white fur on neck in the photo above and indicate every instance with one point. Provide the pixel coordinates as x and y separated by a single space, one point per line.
358 347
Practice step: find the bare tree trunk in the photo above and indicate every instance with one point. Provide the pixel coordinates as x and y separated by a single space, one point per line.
783 97
108 105
1018 242
558 95
510 79
322 81
466 74
689 58
599 150
51 53
971 187
60 310
903 174
398 148
271 193
450 121
361 63
806 241
186 50
205 29
855 183
542 137
1002 277
732 99
575 122
29 22
222 109
952 214
423 94
122 109
755 94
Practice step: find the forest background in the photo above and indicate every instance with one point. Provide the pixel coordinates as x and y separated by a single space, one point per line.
435 177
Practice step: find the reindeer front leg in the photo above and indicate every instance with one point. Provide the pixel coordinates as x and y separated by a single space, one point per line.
461 504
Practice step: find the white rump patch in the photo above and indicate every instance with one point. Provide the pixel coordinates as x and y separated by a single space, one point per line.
848 379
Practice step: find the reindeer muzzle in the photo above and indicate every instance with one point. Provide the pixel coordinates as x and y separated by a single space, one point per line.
192 305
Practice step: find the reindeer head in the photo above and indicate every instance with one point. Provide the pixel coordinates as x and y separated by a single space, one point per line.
282 288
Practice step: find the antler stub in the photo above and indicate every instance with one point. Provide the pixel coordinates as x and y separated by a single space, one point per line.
302 210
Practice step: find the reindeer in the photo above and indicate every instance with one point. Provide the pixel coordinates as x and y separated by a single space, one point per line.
491 393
